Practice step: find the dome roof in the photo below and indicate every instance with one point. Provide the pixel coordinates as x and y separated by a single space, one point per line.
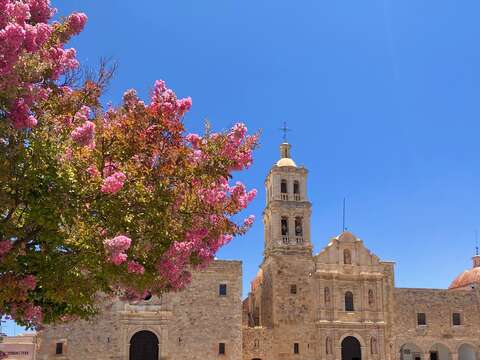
468 277
285 159
286 162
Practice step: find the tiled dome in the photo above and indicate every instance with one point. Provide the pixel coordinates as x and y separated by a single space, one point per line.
468 277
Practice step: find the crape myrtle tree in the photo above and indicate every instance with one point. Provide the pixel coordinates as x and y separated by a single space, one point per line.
118 201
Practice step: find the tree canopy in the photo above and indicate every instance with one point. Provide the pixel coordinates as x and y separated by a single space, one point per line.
115 200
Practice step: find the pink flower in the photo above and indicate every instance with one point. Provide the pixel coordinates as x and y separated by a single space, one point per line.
119 243
40 10
116 248
82 114
20 115
165 101
249 220
118 258
113 183
29 282
93 171
84 134
109 168
194 139
20 12
5 247
135 268
76 22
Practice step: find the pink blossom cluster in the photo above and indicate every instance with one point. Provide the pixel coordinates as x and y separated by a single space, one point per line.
113 183
76 22
240 196
173 264
116 249
238 147
93 171
249 220
131 100
24 30
5 247
200 244
84 134
135 268
109 168
27 312
165 101
218 194
82 114
29 282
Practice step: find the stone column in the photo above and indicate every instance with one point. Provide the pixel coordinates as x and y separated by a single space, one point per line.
454 355
365 352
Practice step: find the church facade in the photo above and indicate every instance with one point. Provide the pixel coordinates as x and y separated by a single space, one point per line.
339 304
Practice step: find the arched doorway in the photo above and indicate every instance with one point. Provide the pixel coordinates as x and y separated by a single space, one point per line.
410 351
466 352
351 349
144 346
440 352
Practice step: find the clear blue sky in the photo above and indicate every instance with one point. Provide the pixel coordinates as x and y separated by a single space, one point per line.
382 96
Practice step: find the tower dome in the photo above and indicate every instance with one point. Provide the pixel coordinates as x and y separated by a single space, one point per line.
285 159
469 277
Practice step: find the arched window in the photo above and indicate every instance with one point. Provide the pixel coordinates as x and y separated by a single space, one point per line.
326 295
298 226
328 346
371 298
373 345
283 186
349 301
347 257
296 187
284 226
256 343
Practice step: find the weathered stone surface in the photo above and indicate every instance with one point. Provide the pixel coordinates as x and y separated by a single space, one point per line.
189 324
297 298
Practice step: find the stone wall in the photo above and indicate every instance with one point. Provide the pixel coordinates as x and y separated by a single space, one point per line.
257 343
438 306
189 324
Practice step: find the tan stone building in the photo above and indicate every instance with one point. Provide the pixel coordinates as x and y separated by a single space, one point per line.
339 304
20 347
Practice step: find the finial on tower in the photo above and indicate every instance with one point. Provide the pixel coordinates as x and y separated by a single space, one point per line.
285 130
476 258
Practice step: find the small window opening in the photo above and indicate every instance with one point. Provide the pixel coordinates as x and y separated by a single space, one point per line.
284 226
222 290
59 348
298 226
293 289
296 187
296 348
221 349
349 301
421 319
456 319
283 187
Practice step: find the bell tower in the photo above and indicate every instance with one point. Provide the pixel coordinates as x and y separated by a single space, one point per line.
287 213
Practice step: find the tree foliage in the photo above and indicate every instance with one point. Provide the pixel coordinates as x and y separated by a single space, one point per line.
118 201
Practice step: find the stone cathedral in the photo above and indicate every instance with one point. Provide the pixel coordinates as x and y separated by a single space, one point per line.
339 304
